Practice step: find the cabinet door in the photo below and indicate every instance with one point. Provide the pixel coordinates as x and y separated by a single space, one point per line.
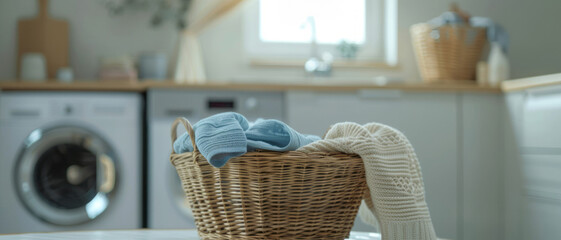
482 159
542 191
542 111
513 198
541 220
429 120
540 166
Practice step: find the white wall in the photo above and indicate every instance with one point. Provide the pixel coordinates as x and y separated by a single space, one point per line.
93 33
533 26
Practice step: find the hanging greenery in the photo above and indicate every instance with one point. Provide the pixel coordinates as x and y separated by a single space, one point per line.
174 11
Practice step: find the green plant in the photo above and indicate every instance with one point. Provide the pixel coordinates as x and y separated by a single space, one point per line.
347 49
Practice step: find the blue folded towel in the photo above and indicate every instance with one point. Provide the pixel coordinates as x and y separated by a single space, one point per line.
228 135
275 135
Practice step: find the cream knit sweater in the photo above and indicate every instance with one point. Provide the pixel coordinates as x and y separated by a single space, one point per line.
396 193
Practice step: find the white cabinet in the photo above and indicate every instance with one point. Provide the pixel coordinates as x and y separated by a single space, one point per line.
542 196
540 173
541 118
429 120
533 174
541 218
513 198
481 163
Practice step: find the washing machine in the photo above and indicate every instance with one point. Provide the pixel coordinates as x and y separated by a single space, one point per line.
167 208
70 161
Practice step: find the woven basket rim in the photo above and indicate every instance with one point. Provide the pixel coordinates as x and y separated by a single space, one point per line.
261 152
268 155
256 153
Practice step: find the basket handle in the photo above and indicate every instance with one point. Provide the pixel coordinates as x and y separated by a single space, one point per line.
187 126
464 15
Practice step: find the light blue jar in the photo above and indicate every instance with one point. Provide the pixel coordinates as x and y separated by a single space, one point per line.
152 66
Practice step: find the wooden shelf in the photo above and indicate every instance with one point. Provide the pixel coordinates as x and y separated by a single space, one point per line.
336 64
74 86
323 86
93 85
531 82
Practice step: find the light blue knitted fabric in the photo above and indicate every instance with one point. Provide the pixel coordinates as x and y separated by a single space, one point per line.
228 135
275 135
218 138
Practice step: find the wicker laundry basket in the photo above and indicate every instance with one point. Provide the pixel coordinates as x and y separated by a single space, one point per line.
447 53
271 195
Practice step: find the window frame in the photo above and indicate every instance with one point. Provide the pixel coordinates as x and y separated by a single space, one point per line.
380 37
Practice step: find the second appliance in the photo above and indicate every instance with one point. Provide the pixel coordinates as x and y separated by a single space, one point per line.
166 201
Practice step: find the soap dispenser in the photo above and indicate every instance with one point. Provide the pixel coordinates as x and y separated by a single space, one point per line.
499 67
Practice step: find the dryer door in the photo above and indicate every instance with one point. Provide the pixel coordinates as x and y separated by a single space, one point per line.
65 175
178 195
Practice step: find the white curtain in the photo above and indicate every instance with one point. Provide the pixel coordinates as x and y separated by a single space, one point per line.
189 67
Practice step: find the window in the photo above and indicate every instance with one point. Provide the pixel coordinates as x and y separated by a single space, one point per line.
284 29
274 26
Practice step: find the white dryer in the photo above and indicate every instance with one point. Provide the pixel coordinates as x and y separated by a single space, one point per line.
70 161
167 208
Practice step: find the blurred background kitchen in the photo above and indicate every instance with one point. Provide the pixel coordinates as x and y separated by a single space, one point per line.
89 89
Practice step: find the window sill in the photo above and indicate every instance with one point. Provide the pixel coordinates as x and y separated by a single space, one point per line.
336 64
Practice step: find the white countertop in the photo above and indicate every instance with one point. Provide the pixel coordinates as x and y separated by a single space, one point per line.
139 235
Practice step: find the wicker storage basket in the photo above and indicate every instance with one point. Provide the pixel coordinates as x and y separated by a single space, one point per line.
271 195
449 52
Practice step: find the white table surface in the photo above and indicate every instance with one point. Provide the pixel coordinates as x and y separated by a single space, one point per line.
138 235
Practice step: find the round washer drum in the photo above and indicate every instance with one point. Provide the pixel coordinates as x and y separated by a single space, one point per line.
64 175
177 193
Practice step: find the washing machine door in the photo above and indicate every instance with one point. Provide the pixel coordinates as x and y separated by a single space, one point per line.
178 195
65 175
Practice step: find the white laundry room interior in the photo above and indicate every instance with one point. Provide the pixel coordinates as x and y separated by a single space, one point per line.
280 119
